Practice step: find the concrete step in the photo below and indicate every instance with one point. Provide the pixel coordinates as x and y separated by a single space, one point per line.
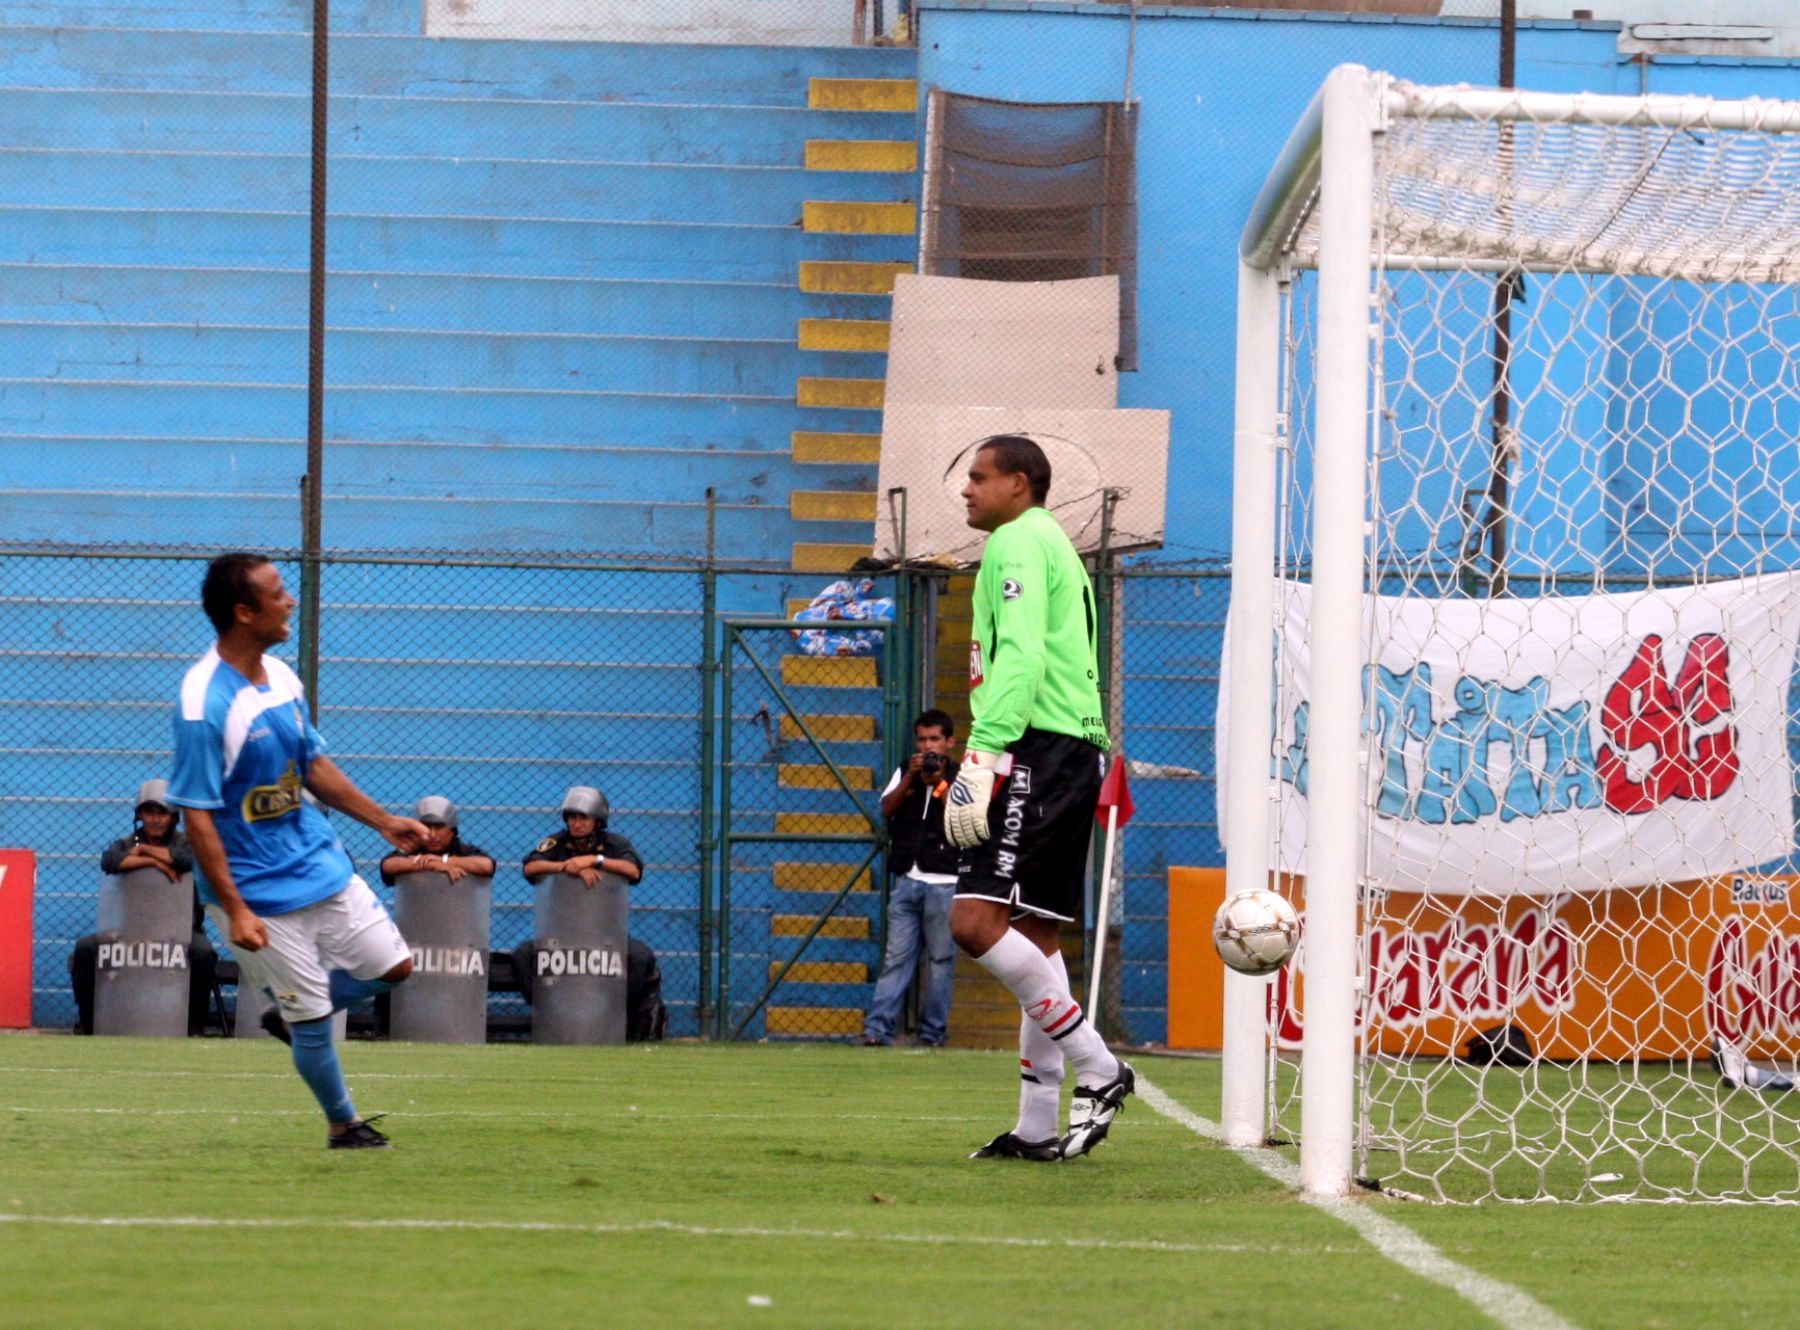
216 355
829 728
818 877
198 409
370 522
404 469
347 16
64 54
817 776
791 1022
487 247
386 301
410 126
432 186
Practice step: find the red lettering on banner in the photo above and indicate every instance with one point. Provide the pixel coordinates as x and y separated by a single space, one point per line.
1752 996
1644 710
1463 971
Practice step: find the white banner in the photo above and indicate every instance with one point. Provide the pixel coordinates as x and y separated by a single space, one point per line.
1567 743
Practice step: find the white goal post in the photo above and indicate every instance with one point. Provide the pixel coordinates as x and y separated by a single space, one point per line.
1517 415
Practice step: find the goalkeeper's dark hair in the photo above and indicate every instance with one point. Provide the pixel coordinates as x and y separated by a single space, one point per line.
942 719
227 586
1016 455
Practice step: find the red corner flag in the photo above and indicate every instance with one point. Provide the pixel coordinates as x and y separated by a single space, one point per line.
1115 793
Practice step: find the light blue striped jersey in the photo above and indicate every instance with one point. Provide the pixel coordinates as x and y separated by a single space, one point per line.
242 752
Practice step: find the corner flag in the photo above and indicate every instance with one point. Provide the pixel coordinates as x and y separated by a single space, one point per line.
1115 793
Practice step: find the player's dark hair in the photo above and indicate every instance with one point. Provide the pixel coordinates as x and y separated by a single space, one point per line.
942 719
227 586
1016 455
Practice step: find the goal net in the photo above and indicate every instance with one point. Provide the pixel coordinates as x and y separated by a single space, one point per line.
1518 374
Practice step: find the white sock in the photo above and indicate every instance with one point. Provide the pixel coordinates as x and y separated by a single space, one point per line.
1040 1083
1042 989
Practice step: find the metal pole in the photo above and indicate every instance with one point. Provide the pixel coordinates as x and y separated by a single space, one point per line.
1333 853
312 505
709 842
1509 287
722 1011
1251 689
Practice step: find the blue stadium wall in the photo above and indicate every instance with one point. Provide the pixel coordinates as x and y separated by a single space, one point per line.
1220 92
566 299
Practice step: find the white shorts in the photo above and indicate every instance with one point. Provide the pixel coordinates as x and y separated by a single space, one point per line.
349 931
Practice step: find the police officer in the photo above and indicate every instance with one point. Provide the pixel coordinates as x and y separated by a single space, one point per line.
584 847
444 851
155 842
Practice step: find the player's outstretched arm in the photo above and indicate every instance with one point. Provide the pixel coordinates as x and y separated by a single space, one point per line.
247 931
336 790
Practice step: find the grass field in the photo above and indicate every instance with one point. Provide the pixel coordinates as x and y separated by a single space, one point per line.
147 1184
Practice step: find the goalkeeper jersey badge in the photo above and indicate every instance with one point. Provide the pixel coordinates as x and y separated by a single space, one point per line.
974 665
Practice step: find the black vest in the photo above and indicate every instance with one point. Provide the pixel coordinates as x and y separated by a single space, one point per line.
916 830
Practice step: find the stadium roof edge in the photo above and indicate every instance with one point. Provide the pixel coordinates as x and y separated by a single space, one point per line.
1122 10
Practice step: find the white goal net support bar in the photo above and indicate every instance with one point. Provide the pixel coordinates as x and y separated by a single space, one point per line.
1517 498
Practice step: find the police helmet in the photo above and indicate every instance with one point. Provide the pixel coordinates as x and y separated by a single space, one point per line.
587 801
154 792
435 810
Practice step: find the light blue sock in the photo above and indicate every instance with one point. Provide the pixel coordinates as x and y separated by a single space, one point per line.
348 991
316 1059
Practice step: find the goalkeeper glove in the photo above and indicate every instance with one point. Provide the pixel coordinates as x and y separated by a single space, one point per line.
966 817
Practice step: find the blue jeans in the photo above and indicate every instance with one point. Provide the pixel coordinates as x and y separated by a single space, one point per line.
918 912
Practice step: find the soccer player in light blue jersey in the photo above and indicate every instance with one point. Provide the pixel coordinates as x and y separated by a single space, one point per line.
274 877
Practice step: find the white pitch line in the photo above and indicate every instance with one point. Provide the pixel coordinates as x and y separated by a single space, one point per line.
650 1226
232 1114
1499 1301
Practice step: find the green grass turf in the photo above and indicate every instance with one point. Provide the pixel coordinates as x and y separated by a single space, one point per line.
1600 1131
829 1180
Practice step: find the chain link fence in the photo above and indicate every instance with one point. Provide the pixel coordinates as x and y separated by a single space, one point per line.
744 767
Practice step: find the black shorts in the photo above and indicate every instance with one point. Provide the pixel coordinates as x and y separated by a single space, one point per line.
1039 826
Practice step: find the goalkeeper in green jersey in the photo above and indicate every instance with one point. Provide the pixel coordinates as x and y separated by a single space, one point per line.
1022 807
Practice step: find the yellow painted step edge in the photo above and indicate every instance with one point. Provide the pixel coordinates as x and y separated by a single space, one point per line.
849 277
815 557
822 972
841 394
825 94
798 925
817 776
831 506
818 877
843 335
829 217
823 1021
828 671
821 824
862 155
813 446
831 727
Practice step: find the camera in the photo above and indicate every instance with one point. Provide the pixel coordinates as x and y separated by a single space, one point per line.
932 765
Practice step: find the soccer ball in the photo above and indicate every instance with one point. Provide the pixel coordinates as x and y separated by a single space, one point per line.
1256 932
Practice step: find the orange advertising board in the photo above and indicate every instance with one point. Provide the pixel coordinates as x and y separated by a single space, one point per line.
1650 972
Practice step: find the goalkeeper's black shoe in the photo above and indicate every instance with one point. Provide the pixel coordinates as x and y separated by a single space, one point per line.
1008 1146
362 1136
275 1027
1091 1111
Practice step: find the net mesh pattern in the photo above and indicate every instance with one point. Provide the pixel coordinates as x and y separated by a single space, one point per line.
1692 202
1584 471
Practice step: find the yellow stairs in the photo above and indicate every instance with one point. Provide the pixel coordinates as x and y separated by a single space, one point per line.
897 156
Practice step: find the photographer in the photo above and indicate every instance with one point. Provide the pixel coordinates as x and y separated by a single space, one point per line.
919 902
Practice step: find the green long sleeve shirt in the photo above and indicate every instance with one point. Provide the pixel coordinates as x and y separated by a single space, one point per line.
1032 661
